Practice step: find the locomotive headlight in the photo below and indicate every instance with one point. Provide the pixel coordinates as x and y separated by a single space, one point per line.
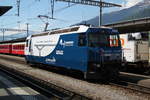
98 65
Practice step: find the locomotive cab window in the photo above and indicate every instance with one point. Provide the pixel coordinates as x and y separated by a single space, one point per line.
82 39
103 39
114 40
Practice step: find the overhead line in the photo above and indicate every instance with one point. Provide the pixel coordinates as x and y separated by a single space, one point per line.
8 29
91 2
100 4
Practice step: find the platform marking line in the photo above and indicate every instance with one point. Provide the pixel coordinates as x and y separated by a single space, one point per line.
15 90
3 92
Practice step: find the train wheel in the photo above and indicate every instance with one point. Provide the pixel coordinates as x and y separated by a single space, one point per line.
85 75
30 63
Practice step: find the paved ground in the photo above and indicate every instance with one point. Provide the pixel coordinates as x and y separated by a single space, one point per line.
11 89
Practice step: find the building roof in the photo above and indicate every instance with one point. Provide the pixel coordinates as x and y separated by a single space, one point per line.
4 9
137 25
14 41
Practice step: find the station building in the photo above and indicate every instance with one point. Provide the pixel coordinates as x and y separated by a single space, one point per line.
133 26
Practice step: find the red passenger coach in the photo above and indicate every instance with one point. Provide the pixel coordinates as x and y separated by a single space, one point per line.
18 48
15 47
6 48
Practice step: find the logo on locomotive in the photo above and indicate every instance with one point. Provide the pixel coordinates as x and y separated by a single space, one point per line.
66 43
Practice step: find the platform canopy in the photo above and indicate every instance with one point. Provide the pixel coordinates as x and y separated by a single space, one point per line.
4 9
137 25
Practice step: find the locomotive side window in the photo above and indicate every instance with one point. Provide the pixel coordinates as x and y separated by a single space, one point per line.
82 39
30 42
114 40
27 43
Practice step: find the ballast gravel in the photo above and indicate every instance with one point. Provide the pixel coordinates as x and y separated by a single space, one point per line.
91 90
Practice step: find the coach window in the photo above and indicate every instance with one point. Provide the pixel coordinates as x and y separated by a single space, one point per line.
130 37
82 39
22 47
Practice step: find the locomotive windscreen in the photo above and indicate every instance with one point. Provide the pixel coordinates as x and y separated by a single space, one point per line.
103 40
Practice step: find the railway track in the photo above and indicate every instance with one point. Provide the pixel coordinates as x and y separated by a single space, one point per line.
132 86
58 92
50 90
132 81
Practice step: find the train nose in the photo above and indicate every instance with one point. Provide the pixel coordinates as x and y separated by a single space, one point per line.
112 57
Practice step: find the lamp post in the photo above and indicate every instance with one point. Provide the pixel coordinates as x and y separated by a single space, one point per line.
100 15
3 31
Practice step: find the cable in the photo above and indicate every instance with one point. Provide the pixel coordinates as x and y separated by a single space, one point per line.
61 9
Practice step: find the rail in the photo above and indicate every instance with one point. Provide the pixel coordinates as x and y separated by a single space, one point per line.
47 89
51 88
131 86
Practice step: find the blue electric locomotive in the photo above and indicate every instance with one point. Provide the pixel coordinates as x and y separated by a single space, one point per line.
94 51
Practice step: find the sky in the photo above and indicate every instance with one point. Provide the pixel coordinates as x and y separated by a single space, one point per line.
65 15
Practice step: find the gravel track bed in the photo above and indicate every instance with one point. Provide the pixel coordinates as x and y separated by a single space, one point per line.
92 90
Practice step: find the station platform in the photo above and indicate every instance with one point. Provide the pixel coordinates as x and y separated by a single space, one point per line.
11 89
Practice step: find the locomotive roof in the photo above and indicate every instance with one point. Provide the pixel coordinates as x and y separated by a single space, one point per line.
77 29
4 9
